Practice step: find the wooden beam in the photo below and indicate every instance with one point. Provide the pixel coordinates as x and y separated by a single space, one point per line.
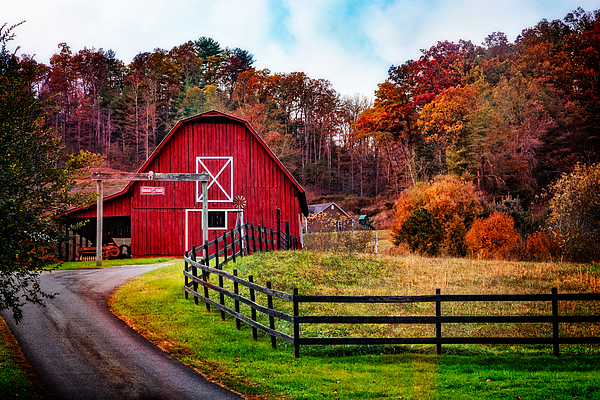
205 216
150 176
203 177
99 227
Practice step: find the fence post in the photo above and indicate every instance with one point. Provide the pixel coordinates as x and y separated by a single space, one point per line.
253 238
296 325
260 242
241 240
216 249
287 235
221 298
224 249
233 244
253 310
205 274
438 324
236 290
195 273
555 322
278 229
185 268
271 318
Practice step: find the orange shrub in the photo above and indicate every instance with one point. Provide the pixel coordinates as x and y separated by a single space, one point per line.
541 246
494 237
452 202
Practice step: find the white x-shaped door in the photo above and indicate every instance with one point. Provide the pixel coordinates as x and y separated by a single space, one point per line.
220 186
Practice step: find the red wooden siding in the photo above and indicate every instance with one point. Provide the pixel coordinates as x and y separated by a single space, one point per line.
159 221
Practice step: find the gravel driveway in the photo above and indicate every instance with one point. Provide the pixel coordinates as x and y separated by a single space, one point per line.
80 350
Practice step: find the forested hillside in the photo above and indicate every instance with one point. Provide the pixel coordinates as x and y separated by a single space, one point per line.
511 117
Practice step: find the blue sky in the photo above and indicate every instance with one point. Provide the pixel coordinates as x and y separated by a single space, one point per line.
351 43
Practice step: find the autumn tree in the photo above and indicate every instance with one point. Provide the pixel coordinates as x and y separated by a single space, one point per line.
575 213
36 180
391 125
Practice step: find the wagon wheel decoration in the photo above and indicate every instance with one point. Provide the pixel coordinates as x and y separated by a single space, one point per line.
239 202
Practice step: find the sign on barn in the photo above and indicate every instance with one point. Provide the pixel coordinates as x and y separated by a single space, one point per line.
165 218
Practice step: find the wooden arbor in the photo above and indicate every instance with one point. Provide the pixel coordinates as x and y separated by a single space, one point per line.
99 177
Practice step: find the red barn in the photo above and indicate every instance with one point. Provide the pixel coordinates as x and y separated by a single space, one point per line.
165 218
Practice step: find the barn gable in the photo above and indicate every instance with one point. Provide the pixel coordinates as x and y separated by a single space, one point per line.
166 216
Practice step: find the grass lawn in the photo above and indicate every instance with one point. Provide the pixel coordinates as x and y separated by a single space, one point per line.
17 380
154 304
108 263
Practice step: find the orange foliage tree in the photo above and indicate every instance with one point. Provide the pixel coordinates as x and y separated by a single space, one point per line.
451 202
494 237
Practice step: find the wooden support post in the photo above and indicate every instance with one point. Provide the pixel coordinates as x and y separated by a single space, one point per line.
205 215
296 325
195 274
233 244
438 324
217 250
278 229
253 310
253 238
271 318
99 219
287 235
240 235
205 274
221 298
236 290
555 332
185 268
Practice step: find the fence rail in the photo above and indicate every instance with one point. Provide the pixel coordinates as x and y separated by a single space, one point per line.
193 281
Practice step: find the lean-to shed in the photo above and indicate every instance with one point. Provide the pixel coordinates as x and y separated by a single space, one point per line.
165 218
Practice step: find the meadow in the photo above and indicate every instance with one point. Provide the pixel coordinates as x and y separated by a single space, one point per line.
155 305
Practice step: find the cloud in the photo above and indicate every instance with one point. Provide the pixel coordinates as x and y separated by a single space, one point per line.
351 43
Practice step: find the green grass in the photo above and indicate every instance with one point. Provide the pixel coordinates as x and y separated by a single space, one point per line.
107 263
16 381
154 304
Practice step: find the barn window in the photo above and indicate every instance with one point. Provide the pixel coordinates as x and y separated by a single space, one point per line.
216 219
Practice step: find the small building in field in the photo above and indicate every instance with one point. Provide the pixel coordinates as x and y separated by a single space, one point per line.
327 217
164 218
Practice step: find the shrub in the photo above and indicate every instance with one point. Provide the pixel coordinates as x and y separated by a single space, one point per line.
575 213
453 205
422 232
541 246
494 237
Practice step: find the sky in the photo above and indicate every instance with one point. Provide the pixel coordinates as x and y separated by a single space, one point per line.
350 43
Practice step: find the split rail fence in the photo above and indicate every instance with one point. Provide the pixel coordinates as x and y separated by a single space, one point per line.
197 273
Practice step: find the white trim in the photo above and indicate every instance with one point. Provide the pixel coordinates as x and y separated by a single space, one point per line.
187 211
201 167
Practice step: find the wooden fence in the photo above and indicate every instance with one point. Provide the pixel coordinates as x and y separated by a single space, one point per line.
194 280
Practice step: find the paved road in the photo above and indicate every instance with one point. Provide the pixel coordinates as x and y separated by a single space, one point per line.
80 350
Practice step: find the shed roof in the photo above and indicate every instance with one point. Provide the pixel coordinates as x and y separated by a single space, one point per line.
316 209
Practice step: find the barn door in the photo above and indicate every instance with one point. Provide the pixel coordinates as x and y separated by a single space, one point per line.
219 220
220 186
